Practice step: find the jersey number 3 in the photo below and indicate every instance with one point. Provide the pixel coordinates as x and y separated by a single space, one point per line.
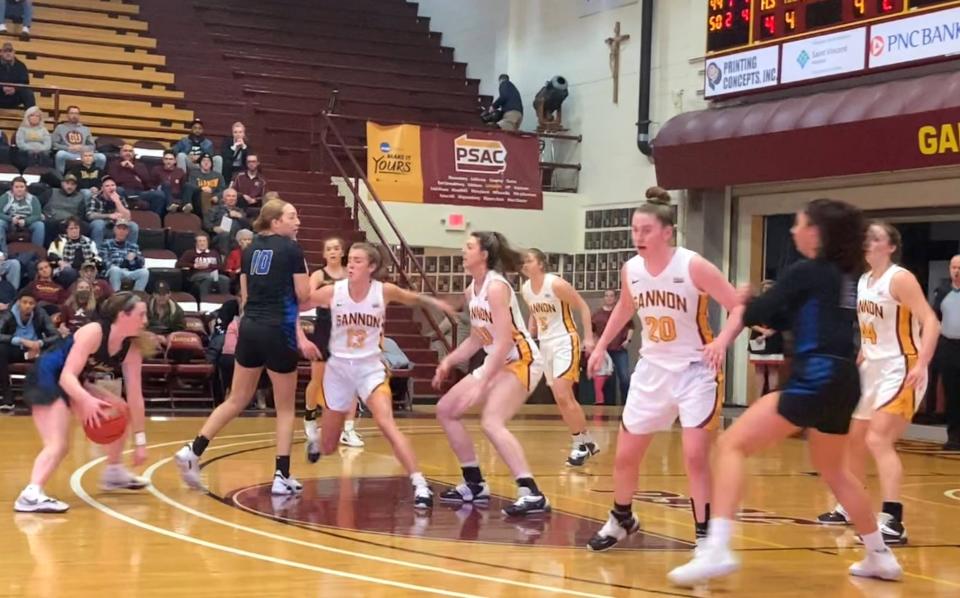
260 262
661 330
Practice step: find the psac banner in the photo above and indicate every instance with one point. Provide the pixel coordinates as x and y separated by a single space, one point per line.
448 166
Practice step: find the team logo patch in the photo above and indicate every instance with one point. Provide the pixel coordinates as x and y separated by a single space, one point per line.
678 280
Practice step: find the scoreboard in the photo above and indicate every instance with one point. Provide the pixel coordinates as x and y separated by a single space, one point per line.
740 24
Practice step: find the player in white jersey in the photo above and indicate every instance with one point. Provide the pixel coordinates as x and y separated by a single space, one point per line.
898 336
358 306
551 300
510 372
679 373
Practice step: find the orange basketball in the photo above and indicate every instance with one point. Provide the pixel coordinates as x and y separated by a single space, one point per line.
112 425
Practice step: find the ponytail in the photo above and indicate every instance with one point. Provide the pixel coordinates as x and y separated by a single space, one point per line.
500 256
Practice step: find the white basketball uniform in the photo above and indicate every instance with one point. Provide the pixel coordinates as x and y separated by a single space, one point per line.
355 367
889 339
671 378
523 359
559 341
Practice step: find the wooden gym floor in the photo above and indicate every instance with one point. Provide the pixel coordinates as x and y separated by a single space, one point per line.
354 532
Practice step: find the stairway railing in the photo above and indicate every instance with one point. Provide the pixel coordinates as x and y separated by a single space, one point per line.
353 174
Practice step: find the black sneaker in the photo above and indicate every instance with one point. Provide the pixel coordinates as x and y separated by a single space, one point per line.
612 532
422 497
838 516
527 504
892 530
466 492
580 453
6 403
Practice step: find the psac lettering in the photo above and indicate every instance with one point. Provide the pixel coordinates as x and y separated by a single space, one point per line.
478 155
940 139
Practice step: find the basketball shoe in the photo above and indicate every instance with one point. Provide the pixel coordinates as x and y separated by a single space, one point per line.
612 532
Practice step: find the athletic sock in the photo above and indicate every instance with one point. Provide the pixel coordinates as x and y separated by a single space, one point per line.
874 541
893 508
471 473
32 491
622 513
719 532
311 414
348 425
527 482
700 526
283 465
418 480
199 445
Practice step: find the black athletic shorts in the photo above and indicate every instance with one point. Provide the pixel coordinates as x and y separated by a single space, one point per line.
260 345
821 393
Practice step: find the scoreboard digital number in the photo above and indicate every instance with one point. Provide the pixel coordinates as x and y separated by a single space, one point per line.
733 24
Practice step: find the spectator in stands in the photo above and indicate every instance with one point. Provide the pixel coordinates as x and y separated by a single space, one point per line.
20 211
235 259
251 186
88 273
202 266
26 17
168 179
45 288
163 313
203 188
234 151
65 202
33 141
105 208
10 269
14 71
88 174
70 251
80 308
618 346
72 138
123 260
510 103
24 332
134 181
190 148
224 220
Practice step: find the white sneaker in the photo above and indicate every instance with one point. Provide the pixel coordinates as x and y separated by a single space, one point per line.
189 465
466 492
283 486
612 532
116 477
580 452
3 28
39 503
880 564
422 497
708 562
313 440
351 438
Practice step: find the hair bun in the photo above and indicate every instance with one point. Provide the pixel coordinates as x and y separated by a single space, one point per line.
658 195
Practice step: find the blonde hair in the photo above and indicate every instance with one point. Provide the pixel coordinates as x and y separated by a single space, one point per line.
272 210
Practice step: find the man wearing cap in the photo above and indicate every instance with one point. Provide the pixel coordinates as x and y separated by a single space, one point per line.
105 208
164 315
65 202
69 251
14 71
190 148
72 138
88 273
123 260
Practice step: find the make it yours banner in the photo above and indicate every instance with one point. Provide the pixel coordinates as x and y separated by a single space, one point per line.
409 163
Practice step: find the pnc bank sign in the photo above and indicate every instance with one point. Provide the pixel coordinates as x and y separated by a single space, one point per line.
929 35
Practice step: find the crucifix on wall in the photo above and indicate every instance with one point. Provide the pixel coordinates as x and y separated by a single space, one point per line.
614 44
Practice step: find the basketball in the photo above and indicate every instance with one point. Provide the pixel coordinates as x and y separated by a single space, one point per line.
112 426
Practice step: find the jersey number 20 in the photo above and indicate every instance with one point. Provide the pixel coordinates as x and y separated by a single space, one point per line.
260 263
661 330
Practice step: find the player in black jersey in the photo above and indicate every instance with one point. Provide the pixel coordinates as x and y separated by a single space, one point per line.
273 284
816 299
82 371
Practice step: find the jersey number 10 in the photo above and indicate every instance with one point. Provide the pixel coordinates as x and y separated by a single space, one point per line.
260 263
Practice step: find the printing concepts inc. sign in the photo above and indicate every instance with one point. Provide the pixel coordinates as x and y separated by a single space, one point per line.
823 56
929 35
743 71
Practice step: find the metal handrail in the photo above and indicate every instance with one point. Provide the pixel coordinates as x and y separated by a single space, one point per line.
353 183
114 95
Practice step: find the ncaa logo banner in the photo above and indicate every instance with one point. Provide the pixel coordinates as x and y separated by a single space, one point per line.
393 162
930 35
454 167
